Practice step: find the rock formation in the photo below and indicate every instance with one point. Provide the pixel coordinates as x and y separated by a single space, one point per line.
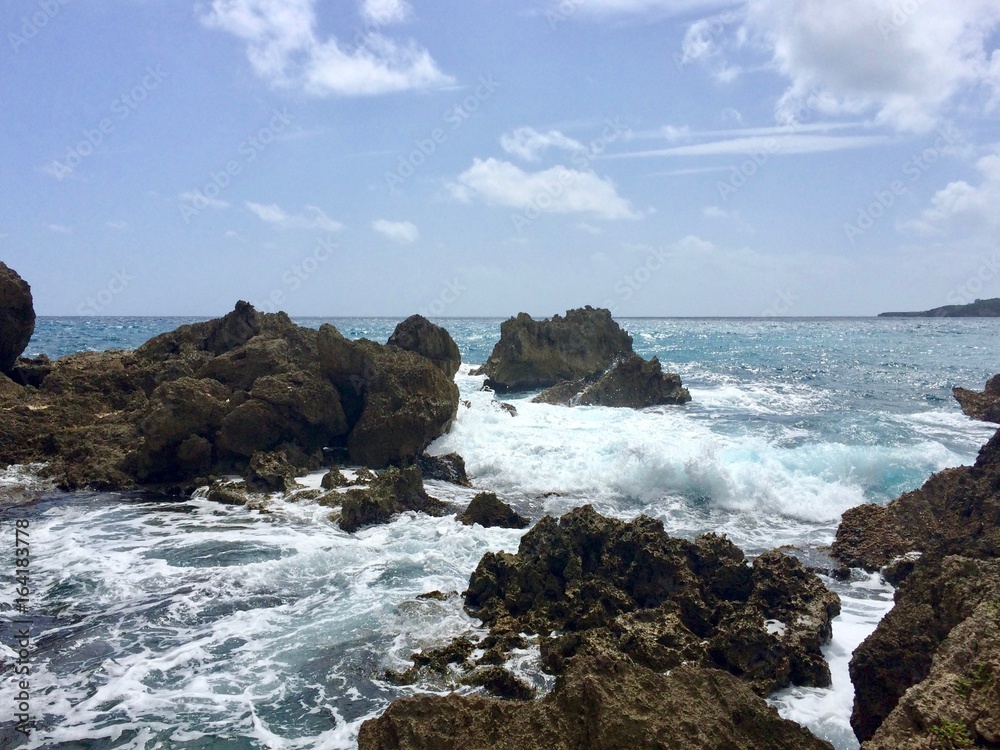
631 383
393 491
17 317
488 510
417 334
537 354
204 399
601 702
982 405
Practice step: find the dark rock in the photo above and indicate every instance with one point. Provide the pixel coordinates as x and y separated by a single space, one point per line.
933 600
488 510
364 475
616 587
393 491
229 493
436 595
509 408
536 354
631 383
17 317
982 405
447 468
271 472
500 683
31 372
333 479
436 660
600 702
419 335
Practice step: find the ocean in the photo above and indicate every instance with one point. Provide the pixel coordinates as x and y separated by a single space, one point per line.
185 624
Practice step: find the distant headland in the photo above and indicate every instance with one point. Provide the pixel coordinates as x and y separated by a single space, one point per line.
981 308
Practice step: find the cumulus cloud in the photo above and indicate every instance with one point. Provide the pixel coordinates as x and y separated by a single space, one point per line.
528 143
558 190
403 232
619 7
384 12
904 64
312 218
963 206
285 49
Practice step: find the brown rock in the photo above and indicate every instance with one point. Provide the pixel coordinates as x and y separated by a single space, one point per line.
417 334
17 317
631 383
393 491
983 405
447 468
488 510
611 704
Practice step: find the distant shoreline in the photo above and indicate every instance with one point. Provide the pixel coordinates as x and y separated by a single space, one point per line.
981 308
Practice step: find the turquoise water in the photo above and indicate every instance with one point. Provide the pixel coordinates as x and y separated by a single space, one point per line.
190 625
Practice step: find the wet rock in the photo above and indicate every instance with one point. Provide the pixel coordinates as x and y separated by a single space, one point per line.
500 683
419 335
615 587
17 317
393 491
447 468
631 383
271 472
982 405
436 660
488 510
509 408
600 702
229 492
333 479
536 354
364 475
934 599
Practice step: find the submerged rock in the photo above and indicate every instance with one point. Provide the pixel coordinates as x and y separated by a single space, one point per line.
631 383
417 334
17 317
982 405
536 354
488 510
600 702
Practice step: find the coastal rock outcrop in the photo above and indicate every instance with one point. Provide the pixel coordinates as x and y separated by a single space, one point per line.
599 702
537 354
17 317
982 405
393 491
417 334
488 510
631 383
203 399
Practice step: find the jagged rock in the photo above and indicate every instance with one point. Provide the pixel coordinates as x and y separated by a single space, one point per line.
17 317
982 405
333 479
393 491
229 493
488 510
364 475
271 472
958 703
631 383
605 703
402 400
417 334
31 372
500 683
957 511
617 587
436 660
930 603
536 354
447 468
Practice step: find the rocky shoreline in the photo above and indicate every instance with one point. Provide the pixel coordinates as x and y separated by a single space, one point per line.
653 641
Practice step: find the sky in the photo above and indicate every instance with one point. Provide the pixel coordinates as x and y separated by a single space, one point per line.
485 157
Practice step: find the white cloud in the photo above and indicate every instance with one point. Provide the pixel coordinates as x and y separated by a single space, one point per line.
589 228
403 232
790 143
118 225
60 229
557 190
622 7
714 212
904 62
311 218
284 49
528 143
384 12
199 200
960 205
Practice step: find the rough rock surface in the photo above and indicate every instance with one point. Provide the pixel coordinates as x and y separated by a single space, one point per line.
536 354
631 383
488 510
202 400
17 317
417 334
600 702
983 405
447 468
613 587
393 491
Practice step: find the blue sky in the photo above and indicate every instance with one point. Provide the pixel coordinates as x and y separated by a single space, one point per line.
483 157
